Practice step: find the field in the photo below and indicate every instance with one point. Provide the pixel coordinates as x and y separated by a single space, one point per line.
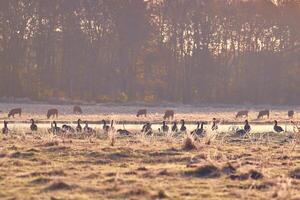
44 166
263 165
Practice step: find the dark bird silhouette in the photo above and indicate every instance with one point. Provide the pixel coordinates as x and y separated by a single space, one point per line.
67 128
54 128
5 128
183 127
33 126
88 129
164 128
245 130
124 131
105 126
174 127
214 125
277 128
78 127
147 129
199 130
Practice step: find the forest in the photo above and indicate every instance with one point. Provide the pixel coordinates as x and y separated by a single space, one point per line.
182 51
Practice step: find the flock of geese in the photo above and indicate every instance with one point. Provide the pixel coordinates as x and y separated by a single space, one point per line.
147 129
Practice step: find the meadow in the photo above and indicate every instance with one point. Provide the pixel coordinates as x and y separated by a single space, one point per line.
109 166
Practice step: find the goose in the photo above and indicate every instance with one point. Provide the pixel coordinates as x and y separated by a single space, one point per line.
214 125
105 126
33 126
147 129
123 131
199 131
164 127
78 127
54 128
182 128
5 128
67 128
88 129
246 129
277 128
174 127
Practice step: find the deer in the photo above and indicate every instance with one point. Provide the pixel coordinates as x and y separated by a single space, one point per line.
15 111
242 113
52 112
263 113
141 112
169 114
77 110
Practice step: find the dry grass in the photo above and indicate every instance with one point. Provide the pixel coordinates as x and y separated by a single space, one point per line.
44 166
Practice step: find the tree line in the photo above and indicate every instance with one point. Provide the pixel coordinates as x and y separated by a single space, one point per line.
187 51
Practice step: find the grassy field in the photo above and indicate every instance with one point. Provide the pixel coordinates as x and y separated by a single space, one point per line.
44 166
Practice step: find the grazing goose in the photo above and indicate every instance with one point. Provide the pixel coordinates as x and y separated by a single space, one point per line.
5 128
67 128
78 127
33 126
164 127
277 128
214 125
88 129
147 129
174 127
123 131
182 128
246 129
199 131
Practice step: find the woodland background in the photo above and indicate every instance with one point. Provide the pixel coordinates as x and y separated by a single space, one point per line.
185 51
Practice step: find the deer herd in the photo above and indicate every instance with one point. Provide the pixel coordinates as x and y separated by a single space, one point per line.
146 128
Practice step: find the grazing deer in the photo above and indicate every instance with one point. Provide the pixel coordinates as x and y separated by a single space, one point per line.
52 112
291 114
15 111
242 113
263 113
169 114
142 112
77 110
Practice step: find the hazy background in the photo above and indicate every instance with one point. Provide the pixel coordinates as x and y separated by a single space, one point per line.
182 51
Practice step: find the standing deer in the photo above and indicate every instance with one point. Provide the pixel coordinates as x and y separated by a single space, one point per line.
142 112
52 112
169 114
15 111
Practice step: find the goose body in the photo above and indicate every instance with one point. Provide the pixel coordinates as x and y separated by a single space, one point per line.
147 129
5 128
88 129
199 130
165 128
174 127
245 130
183 127
78 127
277 128
33 126
214 125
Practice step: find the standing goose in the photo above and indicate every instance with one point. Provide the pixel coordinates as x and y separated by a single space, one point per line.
214 125
78 127
55 128
174 127
5 128
88 129
246 129
277 128
105 126
199 131
147 129
182 128
164 127
33 126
